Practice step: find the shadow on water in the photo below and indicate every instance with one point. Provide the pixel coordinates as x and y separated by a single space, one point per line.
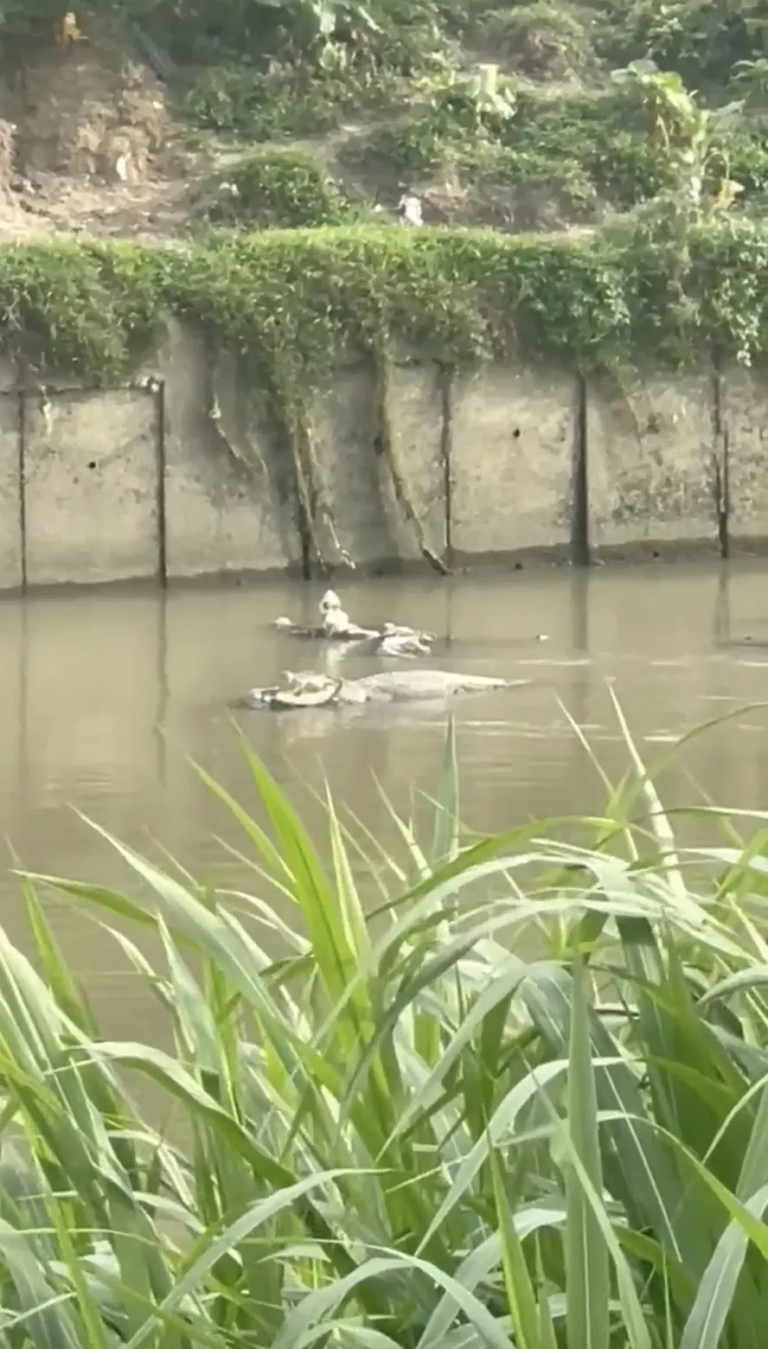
105 695
724 632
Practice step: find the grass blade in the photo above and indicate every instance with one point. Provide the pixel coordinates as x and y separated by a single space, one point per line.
587 1269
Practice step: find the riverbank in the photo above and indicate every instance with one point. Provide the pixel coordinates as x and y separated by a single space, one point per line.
300 401
654 292
153 123
397 1125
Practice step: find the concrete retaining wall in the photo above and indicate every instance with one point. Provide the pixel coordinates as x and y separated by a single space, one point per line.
91 484
350 481
652 456
11 550
744 420
186 473
356 475
228 493
512 463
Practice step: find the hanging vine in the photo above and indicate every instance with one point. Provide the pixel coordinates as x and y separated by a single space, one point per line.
248 454
314 507
388 444
661 292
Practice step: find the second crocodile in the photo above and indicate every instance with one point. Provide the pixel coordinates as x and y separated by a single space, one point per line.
311 689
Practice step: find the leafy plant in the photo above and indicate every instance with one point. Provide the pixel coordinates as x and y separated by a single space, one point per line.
686 132
701 40
281 189
287 99
541 39
302 296
409 1127
479 102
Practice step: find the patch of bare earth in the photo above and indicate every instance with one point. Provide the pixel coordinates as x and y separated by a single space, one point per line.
88 146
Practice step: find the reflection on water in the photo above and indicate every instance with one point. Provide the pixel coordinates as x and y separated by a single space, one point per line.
106 692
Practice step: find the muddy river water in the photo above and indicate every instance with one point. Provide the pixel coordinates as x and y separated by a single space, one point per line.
105 693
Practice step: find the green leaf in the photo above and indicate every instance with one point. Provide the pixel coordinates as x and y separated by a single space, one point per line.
587 1279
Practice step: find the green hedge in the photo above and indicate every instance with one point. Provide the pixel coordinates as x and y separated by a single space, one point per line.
299 296
282 188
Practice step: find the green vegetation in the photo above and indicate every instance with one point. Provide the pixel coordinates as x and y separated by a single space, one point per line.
292 300
282 189
598 147
607 149
520 151
666 186
538 39
288 99
396 1133
586 110
702 40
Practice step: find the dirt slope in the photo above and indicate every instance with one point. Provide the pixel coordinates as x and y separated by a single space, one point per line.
88 145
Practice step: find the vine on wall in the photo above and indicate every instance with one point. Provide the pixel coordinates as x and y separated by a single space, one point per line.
650 290
654 291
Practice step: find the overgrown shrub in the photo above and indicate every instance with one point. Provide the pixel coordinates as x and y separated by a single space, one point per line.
617 146
600 143
304 295
282 188
288 99
542 39
700 39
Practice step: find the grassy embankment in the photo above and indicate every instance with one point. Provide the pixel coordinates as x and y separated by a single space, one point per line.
520 116
516 115
403 1133
668 185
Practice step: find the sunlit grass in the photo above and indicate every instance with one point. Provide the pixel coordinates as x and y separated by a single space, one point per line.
404 1132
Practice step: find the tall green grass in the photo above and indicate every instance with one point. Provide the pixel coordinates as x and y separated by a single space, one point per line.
404 1132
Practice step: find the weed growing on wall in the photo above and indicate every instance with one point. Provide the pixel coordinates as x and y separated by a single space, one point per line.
653 289
301 296
89 310
729 276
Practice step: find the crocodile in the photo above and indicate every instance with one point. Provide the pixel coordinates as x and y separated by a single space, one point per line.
388 639
311 689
